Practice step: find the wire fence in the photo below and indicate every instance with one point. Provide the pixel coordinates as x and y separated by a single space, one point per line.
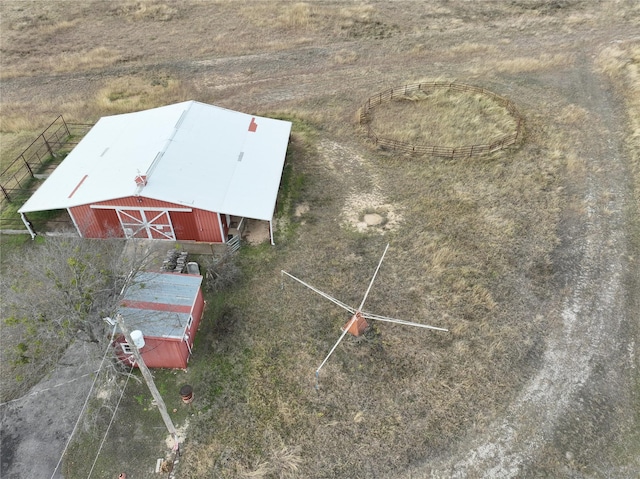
365 114
44 150
21 176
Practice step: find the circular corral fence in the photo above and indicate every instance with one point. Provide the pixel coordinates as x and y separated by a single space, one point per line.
421 117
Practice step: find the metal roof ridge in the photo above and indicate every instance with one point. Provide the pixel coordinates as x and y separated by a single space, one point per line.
160 154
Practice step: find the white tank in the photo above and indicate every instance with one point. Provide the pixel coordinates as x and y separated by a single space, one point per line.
138 338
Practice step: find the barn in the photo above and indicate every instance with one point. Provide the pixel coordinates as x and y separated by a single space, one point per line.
167 309
188 171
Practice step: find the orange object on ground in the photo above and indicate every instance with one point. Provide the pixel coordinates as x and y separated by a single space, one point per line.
359 326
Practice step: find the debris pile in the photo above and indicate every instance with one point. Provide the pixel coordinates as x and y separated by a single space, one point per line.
175 262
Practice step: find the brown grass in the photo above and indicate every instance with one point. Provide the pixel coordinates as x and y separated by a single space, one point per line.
621 63
442 117
97 58
472 252
526 64
297 16
448 265
127 94
140 10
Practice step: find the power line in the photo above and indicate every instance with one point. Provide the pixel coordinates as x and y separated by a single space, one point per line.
49 388
104 438
84 406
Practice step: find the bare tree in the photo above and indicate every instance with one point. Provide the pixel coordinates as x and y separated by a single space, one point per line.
221 272
58 290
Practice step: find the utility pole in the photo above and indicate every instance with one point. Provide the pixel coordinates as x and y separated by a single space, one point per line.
149 380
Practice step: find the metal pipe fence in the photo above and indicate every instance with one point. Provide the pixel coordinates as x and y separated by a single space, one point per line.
499 143
17 177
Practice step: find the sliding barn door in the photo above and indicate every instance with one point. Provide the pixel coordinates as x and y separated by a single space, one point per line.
151 224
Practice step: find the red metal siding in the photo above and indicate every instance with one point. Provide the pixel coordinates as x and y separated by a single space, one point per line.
184 225
196 314
96 223
198 225
109 223
159 353
198 310
208 225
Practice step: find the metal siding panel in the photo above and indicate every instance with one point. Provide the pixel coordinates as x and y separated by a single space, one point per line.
108 223
198 309
90 225
164 353
209 226
164 288
184 225
196 313
183 354
174 354
200 225
83 223
157 353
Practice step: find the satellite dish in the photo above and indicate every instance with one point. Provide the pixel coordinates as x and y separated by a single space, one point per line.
138 338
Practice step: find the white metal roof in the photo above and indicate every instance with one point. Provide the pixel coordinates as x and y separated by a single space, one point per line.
193 154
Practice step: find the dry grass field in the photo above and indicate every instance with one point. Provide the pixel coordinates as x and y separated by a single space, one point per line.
529 256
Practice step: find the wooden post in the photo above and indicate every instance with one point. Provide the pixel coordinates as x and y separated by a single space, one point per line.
149 380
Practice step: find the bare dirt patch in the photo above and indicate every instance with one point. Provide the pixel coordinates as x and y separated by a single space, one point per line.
257 232
370 212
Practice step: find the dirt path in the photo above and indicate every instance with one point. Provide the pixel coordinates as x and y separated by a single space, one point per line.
36 428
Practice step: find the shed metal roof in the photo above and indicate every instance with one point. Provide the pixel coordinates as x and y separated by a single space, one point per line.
193 154
159 304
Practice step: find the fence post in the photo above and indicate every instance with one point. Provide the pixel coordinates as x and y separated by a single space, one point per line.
6 194
53 155
66 127
27 165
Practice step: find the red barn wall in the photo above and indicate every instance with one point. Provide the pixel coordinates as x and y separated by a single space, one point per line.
198 309
197 225
208 225
196 314
184 225
96 223
160 353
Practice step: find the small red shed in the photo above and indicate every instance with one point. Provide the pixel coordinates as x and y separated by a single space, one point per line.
177 172
166 308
